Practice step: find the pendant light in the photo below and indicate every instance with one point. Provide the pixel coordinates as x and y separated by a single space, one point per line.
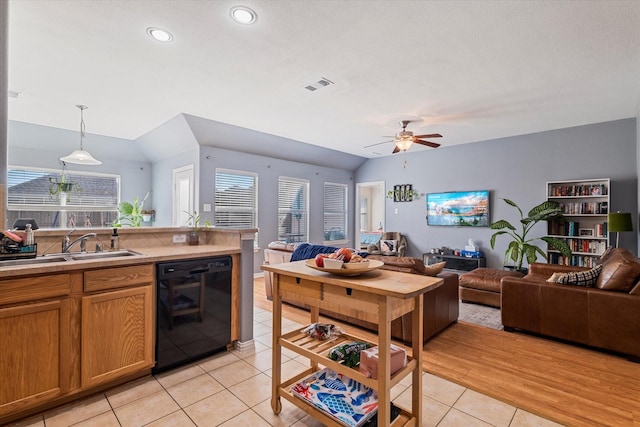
81 157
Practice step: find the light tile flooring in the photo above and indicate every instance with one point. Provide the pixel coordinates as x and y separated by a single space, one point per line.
234 388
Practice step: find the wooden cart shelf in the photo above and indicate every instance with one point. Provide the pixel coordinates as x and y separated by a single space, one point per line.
317 350
379 296
404 419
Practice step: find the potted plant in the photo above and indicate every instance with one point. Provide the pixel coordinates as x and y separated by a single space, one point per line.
194 223
61 185
521 245
147 215
130 213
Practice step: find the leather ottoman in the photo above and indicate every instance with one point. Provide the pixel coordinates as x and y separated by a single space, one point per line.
483 285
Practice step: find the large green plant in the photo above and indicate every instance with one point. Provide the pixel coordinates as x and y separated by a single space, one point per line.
520 247
130 213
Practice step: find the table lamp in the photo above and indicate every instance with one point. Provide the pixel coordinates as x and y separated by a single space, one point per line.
619 221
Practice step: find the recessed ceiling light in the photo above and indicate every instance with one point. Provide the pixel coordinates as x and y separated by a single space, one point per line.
243 15
159 34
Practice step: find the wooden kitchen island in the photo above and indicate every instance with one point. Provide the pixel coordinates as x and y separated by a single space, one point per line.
377 296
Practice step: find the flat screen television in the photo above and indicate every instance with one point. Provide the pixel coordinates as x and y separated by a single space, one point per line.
459 208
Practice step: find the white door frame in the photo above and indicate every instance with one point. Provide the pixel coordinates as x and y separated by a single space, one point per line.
185 173
382 210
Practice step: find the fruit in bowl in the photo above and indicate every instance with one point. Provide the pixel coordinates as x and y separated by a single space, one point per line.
320 260
344 254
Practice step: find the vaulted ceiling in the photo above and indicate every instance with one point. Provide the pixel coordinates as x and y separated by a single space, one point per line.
470 70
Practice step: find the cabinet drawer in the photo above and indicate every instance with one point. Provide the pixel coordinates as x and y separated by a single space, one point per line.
118 277
302 290
34 288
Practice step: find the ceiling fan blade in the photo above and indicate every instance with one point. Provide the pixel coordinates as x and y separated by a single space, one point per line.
431 135
395 150
427 143
378 143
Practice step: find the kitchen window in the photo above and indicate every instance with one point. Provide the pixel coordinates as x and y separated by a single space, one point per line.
335 213
236 199
70 200
293 210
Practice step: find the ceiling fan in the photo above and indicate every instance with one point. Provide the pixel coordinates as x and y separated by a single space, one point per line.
405 139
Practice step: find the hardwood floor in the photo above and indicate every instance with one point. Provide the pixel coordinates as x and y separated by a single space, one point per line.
565 383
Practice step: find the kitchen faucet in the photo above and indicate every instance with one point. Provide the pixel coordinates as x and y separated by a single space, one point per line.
67 244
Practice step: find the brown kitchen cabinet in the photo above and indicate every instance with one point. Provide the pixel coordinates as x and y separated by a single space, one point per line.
117 324
68 334
35 351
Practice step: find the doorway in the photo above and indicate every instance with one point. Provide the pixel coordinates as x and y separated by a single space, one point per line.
183 194
370 219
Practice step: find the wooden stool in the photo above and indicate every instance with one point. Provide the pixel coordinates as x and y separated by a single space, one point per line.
483 285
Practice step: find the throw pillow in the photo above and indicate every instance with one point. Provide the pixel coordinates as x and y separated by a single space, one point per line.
585 278
388 245
619 276
434 269
620 271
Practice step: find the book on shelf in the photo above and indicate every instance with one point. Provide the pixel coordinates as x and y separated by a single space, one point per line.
344 399
589 261
564 190
584 208
601 229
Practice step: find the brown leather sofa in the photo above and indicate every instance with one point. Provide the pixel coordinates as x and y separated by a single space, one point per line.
440 307
606 316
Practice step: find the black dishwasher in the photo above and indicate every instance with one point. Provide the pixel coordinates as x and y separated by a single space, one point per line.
193 310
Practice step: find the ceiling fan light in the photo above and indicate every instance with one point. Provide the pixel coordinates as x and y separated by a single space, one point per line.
404 142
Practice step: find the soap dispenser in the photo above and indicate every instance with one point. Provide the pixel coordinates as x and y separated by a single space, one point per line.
28 235
114 240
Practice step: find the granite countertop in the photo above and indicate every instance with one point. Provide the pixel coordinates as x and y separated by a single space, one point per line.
147 255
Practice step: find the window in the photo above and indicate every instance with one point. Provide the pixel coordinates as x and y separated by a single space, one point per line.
81 199
236 199
335 212
293 210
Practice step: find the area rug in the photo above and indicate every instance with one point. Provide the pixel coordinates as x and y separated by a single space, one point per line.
480 315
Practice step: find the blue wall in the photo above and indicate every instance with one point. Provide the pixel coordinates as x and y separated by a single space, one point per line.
516 168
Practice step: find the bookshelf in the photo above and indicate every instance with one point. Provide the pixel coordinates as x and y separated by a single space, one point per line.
585 203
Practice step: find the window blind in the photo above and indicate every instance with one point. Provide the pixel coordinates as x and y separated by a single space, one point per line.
335 211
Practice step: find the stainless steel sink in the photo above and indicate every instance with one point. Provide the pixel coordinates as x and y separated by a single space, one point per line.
102 255
73 256
33 261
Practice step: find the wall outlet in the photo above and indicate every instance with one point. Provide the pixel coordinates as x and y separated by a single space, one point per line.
206 207
179 238
395 211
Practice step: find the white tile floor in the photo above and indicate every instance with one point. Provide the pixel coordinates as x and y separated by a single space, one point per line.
234 389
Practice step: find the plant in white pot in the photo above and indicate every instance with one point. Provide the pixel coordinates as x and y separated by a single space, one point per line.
521 246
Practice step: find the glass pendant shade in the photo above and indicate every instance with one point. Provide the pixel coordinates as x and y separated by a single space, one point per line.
81 156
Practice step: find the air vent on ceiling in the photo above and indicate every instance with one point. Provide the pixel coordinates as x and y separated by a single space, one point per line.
323 82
